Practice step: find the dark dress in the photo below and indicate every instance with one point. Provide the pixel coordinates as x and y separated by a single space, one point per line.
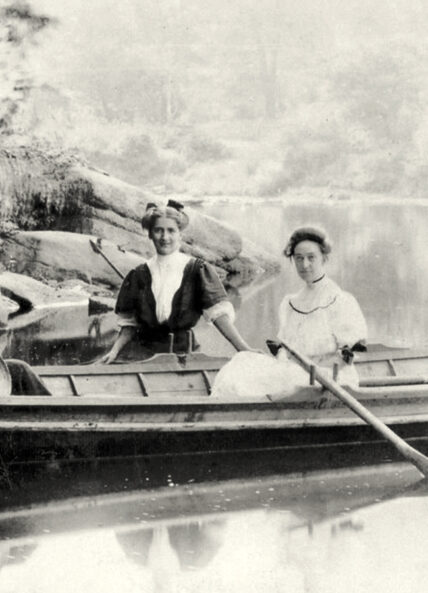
200 289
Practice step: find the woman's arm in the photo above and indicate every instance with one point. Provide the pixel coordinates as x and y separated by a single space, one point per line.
229 331
125 336
216 307
347 321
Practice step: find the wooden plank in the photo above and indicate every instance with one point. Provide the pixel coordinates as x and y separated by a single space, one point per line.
307 395
183 426
373 368
142 384
165 365
184 382
59 385
394 354
109 384
411 366
379 364
384 381
207 382
392 367
73 385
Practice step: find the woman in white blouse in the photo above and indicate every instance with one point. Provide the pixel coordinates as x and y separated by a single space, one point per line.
320 321
168 294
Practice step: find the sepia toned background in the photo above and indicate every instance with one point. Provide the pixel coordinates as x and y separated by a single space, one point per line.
264 115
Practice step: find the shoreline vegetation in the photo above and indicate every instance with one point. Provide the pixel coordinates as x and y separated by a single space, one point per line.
85 144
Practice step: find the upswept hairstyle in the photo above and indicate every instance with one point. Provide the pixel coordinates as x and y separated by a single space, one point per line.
308 234
173 210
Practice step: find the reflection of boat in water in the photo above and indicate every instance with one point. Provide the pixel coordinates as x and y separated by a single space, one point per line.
162 407
255 532
310 498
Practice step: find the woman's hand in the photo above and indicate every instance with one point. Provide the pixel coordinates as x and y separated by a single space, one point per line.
257 351
125 335
229 331
109 357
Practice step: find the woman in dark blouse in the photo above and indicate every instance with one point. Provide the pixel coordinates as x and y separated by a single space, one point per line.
168 294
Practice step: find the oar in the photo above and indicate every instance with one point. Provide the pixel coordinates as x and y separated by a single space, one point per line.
411 454
97 249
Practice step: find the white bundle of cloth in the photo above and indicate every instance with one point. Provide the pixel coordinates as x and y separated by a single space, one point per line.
250 374
317 321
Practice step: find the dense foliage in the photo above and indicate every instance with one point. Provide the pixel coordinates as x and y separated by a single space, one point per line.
236 97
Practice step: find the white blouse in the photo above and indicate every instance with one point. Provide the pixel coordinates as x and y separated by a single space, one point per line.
317 322
321 319
167 274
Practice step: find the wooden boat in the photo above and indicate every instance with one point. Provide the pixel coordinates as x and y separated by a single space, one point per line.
162 408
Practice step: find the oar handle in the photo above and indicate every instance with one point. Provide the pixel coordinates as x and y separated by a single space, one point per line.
419 460
98 250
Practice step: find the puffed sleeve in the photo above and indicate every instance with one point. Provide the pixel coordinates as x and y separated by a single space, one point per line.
213 297
125 305
347 321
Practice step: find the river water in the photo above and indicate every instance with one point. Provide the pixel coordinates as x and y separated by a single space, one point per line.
379 254
360 530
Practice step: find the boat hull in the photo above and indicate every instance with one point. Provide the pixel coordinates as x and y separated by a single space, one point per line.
162 409
293 435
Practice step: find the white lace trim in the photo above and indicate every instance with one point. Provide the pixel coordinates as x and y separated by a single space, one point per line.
126 320
219 309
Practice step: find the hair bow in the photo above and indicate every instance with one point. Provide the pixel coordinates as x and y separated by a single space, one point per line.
176 205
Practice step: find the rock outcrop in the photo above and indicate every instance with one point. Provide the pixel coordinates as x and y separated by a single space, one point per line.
59 256
32 294
53 205
44 191
116 208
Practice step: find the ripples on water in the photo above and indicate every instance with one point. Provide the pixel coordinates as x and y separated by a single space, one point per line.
360 530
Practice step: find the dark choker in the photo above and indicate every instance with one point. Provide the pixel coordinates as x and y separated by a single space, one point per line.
318 279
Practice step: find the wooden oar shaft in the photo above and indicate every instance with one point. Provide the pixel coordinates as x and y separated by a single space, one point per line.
98 250
414 456
390 381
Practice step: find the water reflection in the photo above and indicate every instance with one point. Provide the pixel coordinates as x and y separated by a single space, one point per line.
67 336
363 530
191 546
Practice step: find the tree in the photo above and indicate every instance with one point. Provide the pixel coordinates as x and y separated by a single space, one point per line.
19 27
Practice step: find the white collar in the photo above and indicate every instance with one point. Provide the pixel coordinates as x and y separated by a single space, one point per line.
319 295
171 259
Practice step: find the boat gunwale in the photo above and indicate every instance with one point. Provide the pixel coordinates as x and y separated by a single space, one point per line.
312 395
46 426
199 362
157 364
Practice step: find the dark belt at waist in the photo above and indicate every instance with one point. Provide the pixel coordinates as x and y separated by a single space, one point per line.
161 334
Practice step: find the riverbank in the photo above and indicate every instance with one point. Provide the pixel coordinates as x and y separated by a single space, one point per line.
303 195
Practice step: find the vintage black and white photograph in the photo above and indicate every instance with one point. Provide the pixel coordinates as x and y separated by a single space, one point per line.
213 296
